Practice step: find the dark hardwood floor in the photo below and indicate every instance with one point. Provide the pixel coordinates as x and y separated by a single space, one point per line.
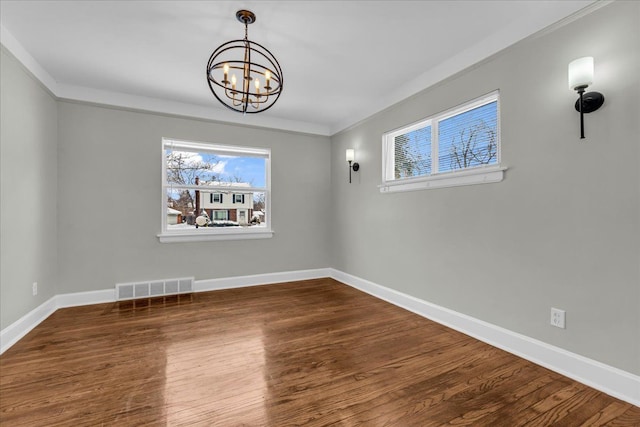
311 353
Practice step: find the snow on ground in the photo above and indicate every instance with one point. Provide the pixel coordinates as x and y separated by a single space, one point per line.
185 226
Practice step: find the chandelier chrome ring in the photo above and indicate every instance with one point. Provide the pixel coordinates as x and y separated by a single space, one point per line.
244 75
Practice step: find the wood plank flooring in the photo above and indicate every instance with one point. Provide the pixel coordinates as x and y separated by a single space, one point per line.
313 353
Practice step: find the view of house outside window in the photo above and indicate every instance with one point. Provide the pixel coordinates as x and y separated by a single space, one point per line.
211 188
453 143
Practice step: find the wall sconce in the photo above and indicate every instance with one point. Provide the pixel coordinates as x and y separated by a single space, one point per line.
351 155
580 77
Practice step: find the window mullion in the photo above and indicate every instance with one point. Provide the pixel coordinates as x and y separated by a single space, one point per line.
434 147
388 158
214 189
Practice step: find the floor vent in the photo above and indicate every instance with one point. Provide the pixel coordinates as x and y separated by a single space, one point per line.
155 288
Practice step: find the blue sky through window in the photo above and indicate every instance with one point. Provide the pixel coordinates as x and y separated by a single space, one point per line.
247 169
226 168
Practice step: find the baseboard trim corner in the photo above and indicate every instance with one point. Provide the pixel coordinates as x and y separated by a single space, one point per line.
610 380
21 327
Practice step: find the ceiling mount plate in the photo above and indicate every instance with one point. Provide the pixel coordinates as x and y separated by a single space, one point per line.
246 16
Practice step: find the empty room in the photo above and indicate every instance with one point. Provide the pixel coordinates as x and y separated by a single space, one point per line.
278 213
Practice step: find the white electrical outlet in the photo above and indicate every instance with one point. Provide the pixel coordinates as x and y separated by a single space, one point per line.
557 317
34 288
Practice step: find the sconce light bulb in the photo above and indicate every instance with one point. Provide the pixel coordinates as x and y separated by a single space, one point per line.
581 72
350 155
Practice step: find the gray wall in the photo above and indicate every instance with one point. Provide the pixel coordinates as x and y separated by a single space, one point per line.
562 230
28 177
109 178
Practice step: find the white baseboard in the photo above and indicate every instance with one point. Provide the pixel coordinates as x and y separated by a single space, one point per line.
85 298
613 381
260 279
21 327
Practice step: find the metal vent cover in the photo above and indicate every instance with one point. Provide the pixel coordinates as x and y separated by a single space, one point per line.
154 288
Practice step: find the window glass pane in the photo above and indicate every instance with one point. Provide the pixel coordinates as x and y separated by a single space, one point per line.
249 211
469 139
413 153
220 215
257 216
183 167
180 208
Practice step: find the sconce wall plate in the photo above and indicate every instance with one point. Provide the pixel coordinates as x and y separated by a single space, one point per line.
591 101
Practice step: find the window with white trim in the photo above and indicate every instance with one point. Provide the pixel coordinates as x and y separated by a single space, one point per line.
221 215
214 192
460 146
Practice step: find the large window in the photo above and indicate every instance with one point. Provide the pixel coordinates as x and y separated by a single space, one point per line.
460 146
214 192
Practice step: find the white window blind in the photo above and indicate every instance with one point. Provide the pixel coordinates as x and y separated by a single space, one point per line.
412 151
469 139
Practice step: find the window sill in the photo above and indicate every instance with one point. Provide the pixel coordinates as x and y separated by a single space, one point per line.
483 175
203 236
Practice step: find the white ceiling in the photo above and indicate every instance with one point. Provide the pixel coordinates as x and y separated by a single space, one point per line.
342 60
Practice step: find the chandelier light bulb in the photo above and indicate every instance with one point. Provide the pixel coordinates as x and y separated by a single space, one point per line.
226 74
267 77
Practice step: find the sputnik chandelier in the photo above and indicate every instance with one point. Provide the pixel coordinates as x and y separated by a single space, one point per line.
243 75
